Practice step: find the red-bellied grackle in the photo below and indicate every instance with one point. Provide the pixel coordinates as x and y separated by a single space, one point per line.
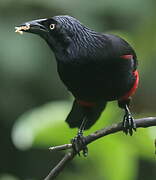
95 67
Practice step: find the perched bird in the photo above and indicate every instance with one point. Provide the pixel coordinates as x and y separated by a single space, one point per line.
95 67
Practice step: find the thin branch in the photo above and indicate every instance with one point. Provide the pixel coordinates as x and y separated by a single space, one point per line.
61 147
60 166
140 123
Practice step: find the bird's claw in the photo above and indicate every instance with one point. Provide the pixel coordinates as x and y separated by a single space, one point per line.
78 143
129 124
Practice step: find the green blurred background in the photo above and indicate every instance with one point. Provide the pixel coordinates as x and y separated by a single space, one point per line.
34 103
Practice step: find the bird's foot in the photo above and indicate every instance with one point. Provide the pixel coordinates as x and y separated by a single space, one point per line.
78 143
129 124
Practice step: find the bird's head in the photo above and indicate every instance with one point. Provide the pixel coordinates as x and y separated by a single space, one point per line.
58 31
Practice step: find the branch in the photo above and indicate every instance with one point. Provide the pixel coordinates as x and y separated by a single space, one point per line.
61 147
140 123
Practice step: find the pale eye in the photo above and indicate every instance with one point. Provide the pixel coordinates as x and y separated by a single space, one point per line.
52 26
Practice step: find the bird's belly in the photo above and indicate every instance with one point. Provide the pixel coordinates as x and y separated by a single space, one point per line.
98 90
93 85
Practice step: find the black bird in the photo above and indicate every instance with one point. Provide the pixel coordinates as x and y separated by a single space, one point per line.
95 67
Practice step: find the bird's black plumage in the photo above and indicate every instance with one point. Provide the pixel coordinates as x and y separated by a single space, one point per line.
95 67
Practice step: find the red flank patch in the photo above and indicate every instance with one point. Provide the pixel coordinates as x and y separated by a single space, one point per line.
127 56
134 88
85 103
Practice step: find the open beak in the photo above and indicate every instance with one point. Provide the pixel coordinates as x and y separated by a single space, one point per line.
35 26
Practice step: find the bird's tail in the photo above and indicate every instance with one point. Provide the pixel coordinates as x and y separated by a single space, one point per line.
78 112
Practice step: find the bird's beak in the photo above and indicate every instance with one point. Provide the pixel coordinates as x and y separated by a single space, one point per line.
35 27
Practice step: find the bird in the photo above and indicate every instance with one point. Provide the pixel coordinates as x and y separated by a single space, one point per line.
95 67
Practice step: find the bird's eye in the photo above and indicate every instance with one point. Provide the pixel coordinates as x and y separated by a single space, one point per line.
52 26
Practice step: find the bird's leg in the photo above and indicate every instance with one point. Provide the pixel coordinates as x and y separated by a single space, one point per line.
128 121
78 141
